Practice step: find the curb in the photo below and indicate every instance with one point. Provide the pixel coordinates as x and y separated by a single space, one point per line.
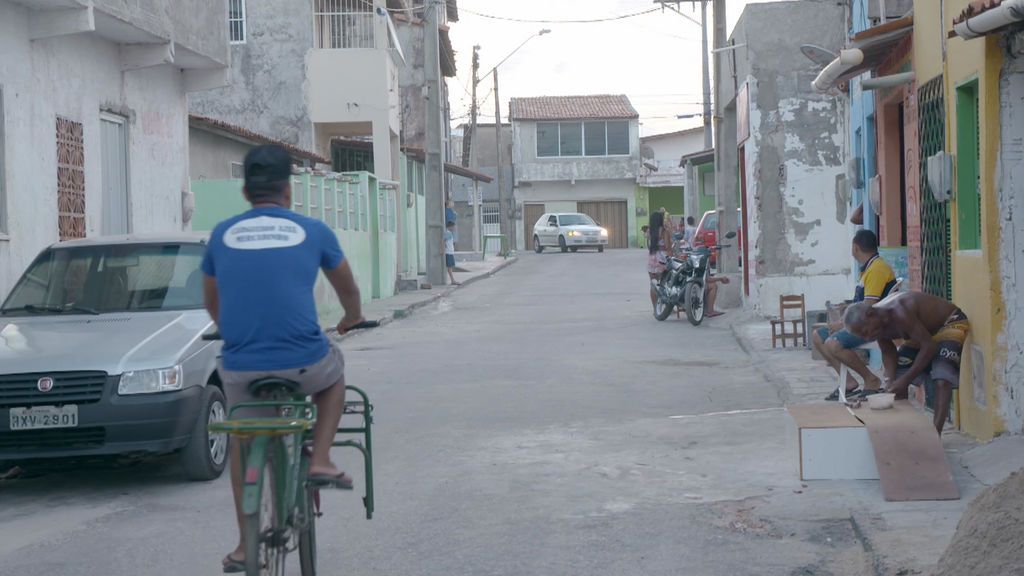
402 313
761 365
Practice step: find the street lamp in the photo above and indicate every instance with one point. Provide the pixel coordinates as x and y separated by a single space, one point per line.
504 208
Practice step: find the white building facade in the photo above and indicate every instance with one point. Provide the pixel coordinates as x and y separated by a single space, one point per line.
576 154
93 117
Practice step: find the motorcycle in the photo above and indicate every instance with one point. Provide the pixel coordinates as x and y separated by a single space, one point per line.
682 284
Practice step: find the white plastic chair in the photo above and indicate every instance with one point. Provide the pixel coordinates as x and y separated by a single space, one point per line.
844 371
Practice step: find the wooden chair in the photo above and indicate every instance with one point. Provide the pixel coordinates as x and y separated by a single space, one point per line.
779 332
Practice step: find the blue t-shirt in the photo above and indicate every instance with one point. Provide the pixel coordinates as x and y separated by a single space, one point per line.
266 263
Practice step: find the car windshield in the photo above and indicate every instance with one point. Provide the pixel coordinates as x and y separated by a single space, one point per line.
575 220
111 278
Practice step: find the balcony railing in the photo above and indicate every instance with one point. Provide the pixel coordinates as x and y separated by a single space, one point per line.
339 24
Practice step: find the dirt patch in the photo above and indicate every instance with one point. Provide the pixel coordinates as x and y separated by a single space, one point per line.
989 539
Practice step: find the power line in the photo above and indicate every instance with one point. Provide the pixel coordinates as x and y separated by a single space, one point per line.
532 21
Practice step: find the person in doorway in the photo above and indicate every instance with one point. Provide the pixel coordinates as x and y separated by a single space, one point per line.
449 251
659 242
690 231
259 271
838 346
933 331
646 231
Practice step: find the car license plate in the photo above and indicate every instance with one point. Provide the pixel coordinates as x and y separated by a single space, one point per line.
38 417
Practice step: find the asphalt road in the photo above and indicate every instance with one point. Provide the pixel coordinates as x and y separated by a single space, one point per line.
540 422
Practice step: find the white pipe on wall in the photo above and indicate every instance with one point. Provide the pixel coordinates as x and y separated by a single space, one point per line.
1009 12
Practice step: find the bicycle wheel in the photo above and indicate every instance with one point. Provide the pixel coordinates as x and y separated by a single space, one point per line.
263 549
307 535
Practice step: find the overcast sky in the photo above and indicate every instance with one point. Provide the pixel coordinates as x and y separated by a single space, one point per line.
654 58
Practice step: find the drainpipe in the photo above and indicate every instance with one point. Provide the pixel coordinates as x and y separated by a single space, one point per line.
887 81
1009 12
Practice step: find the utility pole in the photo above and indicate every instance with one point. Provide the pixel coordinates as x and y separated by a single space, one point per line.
467 150
725 187
467 138
434 145
502 199
706 70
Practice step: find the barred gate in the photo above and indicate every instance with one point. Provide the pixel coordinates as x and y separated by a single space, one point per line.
936 265
490 214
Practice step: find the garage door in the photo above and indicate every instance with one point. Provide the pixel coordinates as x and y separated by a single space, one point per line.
531 213
612 215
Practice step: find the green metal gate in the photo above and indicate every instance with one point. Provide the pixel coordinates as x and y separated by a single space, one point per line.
936 266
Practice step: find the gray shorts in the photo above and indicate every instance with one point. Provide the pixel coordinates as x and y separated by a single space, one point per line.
311 379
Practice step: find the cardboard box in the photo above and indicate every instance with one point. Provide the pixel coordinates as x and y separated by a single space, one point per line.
832 444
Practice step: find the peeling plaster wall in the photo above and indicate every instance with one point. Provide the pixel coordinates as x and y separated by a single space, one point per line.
1011 248
268 85
795 157
77 77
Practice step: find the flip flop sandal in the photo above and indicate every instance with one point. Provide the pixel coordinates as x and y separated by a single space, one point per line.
834 396
233 565
339 481
866 393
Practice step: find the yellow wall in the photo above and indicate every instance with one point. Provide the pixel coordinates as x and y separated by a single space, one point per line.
976 287
928 37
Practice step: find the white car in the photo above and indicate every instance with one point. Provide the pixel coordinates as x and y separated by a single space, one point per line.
568 231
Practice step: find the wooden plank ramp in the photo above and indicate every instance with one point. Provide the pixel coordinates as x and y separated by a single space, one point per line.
912 463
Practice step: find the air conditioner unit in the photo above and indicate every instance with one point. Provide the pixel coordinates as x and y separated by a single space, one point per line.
939 171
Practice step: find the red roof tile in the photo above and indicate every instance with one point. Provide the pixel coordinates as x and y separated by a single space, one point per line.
602 106
199 121
976 7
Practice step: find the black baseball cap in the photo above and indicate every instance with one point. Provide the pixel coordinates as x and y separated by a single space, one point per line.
267 164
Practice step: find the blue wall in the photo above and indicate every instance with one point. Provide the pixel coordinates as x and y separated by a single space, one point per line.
862 125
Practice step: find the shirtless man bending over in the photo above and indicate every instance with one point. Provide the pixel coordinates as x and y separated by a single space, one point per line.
933 332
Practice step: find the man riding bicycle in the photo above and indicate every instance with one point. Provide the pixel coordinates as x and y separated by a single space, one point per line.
260 269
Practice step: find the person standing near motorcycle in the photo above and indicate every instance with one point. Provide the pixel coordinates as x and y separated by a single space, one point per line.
660 241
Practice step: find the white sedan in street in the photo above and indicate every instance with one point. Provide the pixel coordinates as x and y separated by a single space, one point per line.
568 231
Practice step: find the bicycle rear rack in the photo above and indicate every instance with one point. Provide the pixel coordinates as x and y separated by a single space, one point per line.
362 408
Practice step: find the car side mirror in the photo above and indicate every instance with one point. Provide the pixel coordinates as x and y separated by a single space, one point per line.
730 235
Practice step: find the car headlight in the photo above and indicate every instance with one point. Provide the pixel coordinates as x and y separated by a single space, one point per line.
573 233
604 232
150 381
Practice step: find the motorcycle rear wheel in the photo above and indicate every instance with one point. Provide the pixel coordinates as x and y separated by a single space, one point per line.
662 309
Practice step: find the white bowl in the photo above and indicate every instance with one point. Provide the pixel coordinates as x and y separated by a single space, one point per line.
882 401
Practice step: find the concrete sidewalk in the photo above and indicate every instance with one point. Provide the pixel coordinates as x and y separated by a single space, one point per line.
903 537
405 303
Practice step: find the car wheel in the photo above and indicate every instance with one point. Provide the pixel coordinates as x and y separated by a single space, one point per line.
537 247
561 244
600 249
205 455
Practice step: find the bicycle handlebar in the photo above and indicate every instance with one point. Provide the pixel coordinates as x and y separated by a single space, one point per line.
364 325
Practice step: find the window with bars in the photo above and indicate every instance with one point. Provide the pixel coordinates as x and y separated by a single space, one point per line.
236 21
70 179
968 159
936 268
341 24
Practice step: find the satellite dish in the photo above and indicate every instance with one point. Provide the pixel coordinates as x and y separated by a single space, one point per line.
817 54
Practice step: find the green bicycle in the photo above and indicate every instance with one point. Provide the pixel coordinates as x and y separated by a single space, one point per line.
279 503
